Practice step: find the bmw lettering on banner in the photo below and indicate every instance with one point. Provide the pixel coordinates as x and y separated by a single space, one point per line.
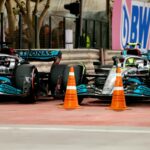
133 24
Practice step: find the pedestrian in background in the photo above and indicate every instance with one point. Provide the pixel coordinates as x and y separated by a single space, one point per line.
44 36
85 40
58 36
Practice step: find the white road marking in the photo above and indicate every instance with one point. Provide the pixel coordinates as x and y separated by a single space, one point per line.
107 130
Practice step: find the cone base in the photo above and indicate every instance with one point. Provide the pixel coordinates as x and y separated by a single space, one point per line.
71 101
118 102
69 108
118 109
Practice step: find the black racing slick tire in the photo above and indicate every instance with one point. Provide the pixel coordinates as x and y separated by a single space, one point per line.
59 77
55 79
27 72
79 75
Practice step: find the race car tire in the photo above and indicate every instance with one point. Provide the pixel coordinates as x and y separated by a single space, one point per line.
59 76
55 79
79 75
23 71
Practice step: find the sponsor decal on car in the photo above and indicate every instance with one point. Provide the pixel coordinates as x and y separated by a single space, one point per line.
38 54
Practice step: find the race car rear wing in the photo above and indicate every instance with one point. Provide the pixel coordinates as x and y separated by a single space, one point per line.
39 55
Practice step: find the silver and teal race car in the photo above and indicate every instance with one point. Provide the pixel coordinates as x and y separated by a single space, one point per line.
135 74
20 78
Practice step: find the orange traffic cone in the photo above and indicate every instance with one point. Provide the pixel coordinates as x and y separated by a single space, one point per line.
118 98
71 98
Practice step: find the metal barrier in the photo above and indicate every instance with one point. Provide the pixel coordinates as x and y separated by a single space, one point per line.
91 58
96 30
87 57
106 56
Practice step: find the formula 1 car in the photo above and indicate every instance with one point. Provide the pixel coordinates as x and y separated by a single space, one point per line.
135 74
18 77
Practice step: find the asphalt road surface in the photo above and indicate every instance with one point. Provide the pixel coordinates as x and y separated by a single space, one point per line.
73 138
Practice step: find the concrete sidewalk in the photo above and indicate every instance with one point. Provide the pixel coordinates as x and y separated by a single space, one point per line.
92 112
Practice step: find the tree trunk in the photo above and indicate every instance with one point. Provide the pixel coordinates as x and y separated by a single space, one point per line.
40 21
11 22
2 2
28 19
